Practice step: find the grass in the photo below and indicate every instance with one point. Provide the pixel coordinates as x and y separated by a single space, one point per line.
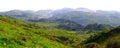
18 34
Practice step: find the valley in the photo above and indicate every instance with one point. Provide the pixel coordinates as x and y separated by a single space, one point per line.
66 28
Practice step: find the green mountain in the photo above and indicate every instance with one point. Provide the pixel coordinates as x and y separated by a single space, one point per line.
110 39
19 34
74 26
22 34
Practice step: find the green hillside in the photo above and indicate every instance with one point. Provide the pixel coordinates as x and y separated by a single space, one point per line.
18 34
110 39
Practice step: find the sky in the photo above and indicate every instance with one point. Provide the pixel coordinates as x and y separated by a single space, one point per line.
35 5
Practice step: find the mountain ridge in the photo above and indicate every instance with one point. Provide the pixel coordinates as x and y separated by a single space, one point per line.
82 16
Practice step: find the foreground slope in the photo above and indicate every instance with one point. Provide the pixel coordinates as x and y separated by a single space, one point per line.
18 34
110 39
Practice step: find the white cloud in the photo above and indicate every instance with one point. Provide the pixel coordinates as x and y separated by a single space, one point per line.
57 4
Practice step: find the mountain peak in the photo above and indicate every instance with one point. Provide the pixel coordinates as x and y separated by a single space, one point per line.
84 9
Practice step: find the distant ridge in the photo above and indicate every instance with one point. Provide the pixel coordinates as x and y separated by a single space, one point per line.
82 16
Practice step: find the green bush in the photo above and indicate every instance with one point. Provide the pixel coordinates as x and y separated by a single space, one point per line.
113 44
92 45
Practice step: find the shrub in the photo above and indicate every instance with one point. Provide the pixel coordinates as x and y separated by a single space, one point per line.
113 44
92 45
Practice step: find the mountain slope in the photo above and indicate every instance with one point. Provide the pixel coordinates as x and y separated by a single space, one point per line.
82 16
86 18
105 35
16 34
109 39
28 14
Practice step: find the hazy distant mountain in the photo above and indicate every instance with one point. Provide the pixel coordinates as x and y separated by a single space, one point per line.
27 14
85 17
84 10
61 11
82 16
66 10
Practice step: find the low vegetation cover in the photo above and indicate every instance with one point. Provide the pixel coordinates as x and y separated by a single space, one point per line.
15 33
18 34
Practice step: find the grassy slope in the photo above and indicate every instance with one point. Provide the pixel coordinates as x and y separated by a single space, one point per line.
17 34
110 39
65 37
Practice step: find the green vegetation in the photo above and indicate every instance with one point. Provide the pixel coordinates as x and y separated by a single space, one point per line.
108 39
71 25
20 34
